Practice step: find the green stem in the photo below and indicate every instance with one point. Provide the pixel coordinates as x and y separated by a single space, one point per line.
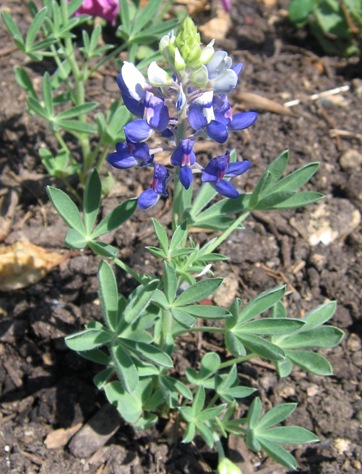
237 360
102 159
220 449
229 230
78 93
128 269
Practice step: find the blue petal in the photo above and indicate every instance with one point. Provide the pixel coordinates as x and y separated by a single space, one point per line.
196 118
121 159
226 189
148 199
208 177
214 168
142 153
176 157
237 168
160 176
243 120
137 131
237 68
160 117
185 176
134 106
217 131
156 112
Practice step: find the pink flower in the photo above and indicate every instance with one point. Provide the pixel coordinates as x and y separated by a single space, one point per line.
107 9
227 5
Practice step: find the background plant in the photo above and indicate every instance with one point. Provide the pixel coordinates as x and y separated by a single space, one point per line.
336 24
137 342
75 46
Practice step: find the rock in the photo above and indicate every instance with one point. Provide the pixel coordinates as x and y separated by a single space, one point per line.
350 160
226 294
333 219
58 438
96 432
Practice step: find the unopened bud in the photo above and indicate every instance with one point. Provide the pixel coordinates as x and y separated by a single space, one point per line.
199 77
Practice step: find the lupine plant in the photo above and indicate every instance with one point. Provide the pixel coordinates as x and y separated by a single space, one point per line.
54 36
175 105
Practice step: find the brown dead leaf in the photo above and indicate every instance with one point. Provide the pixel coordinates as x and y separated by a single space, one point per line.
218 27
248 100
59 438
23 264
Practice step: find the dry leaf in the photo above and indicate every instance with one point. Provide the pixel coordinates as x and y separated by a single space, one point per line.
23 264
248 100
59 438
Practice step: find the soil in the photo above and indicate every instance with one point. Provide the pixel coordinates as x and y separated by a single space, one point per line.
316 251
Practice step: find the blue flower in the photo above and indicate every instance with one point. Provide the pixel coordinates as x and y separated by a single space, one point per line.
184 157
214 115
157 117
140 100
130 154
133 87
149 197
219 168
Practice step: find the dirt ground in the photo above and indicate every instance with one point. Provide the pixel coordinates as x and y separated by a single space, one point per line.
317 251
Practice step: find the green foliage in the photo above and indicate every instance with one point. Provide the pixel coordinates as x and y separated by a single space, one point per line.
262 434
337 25
142 27
83 230
273 192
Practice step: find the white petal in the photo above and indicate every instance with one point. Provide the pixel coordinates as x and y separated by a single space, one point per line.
134 81
226 82
157 76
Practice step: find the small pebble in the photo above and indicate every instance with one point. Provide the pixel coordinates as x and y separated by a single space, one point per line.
350 160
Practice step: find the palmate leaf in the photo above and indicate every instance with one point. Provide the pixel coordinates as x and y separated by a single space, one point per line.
130 405
262 433
313 334
91 200
148 352
116 218
210 364
198 292
75 240
125 367
271 192
310 361
138 301
108 294
169 282
88 339
260 304
66 208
